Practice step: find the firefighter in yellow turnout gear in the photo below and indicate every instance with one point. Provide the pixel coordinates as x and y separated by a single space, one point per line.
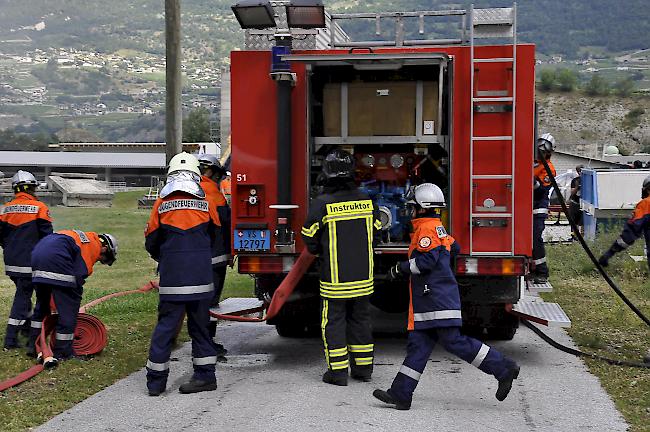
341 229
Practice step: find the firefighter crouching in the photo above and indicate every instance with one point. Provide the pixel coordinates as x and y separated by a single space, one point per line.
341 228
212 173
61 262
541 189
179 236
637 226
23 222
435 309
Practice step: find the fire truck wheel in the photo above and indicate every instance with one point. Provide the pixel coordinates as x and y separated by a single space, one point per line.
292 330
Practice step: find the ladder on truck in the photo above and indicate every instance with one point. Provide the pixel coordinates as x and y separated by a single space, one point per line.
499 23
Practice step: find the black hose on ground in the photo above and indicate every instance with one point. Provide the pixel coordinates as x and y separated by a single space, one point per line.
578 353
584 245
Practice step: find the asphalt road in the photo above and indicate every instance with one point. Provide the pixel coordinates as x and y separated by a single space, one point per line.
273 384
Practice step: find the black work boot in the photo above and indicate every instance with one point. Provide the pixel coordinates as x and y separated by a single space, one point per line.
196 386
362 377
156 392
506 384
336 378
388 398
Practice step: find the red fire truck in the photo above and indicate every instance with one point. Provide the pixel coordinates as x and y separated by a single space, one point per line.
452 111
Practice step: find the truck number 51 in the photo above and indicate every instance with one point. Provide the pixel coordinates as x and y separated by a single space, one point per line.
241 177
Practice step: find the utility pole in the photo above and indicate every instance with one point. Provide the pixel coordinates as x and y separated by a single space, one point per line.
173 81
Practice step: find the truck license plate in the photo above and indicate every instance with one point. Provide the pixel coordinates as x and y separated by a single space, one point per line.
253 240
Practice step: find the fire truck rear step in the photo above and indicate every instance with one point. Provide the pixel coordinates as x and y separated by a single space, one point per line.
535 288
237 306
548 314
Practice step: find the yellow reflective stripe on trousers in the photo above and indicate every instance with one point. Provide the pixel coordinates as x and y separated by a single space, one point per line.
339 365
346 294
339 288
352 284
361 348
377 224
323 324
363 361
338 352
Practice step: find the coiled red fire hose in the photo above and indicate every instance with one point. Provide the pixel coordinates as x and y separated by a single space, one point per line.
90 337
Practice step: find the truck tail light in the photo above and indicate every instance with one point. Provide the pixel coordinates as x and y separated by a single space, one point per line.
265 263
490 266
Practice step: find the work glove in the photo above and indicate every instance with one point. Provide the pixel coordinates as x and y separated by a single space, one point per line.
395 272
604 260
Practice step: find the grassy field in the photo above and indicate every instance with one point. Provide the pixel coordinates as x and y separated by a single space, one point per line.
129 319
603 324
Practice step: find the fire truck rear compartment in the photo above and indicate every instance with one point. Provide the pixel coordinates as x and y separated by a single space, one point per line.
394 119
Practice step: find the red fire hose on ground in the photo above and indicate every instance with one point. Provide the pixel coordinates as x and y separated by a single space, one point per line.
280 295
90 337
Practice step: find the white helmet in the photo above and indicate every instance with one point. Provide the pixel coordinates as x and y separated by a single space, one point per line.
184 162
426 195
110 242
546 143
23 178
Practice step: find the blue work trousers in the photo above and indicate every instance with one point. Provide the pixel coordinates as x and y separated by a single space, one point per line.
170 316
219 278
21 309
67 301
539 251
421 344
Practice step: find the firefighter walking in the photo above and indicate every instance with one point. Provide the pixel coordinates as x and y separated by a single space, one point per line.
638 225
211 174
61 262
341 228
179 235
435 309
23 222
541 189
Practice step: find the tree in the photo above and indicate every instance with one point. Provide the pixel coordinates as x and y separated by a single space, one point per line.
597 86
196 126
624 87
567 79
547 80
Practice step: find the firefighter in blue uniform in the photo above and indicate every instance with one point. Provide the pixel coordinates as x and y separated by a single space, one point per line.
61 262
341 229
637 226
541 189
435 309
23 222
179 236
211 174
